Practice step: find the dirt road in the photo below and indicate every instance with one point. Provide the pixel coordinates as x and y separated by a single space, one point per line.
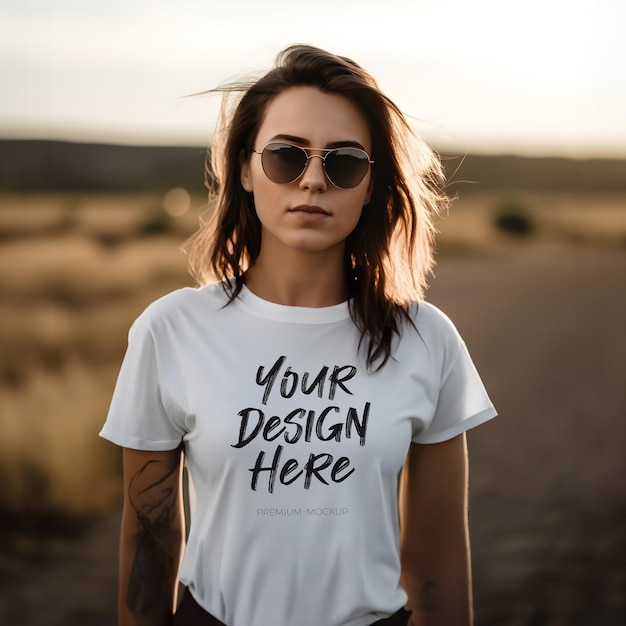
548 333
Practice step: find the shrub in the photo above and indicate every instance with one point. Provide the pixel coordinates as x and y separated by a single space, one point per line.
157 222
513 217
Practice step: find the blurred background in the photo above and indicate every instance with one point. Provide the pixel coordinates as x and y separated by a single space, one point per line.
101 180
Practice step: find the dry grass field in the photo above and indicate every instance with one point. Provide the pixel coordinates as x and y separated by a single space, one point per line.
541 306
74 274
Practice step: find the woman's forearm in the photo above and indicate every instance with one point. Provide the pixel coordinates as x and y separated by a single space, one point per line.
151 540
439 585
149 561
435 547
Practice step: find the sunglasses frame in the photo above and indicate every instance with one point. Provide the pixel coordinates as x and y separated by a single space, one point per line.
306 152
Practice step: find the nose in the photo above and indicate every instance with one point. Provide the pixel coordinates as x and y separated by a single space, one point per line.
314 175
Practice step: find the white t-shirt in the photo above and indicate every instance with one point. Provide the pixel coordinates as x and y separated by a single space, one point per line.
293 446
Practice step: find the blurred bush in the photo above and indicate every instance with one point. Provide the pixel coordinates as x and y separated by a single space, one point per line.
513 216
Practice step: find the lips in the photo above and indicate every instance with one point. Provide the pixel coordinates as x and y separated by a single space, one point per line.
310 209
309 212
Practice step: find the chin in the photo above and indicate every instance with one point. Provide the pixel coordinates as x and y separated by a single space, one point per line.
306 244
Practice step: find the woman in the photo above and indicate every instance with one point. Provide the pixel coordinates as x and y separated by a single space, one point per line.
319 403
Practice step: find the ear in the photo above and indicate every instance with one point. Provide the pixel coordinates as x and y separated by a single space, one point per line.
245 176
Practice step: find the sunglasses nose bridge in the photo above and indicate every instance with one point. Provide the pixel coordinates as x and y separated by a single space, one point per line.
309 156
307 173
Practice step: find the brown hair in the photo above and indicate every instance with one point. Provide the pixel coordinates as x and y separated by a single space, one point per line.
389 254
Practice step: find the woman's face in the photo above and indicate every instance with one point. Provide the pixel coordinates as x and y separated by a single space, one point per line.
310 214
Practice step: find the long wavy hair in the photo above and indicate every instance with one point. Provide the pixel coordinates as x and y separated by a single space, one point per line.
389 255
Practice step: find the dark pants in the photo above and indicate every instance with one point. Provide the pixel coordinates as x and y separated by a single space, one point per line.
190 613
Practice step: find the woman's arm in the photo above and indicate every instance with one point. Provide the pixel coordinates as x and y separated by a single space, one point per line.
151 538
436 570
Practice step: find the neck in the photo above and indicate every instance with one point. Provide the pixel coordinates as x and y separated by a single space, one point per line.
299 279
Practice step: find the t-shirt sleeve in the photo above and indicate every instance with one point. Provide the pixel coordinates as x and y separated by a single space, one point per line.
462 401
137 416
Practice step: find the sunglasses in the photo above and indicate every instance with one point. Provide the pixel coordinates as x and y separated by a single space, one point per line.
284 163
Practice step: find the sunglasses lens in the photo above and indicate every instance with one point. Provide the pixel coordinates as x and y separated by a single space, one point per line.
282 162
346 167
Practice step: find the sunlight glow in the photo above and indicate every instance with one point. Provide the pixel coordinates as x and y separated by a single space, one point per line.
545 76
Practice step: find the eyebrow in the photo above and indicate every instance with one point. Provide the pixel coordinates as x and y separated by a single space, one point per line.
305 143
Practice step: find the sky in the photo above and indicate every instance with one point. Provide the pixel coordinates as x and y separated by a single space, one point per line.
539 77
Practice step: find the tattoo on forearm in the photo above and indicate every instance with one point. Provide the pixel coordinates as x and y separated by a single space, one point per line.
428 596
153 498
